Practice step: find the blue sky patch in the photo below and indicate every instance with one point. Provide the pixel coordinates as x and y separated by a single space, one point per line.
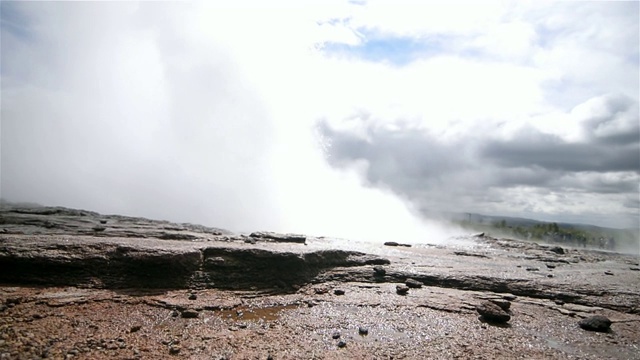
396 50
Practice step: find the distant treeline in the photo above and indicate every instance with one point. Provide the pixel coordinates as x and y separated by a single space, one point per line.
573 235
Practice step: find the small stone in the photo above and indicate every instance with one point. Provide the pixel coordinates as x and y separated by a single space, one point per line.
193 297
174 349
342 344
338 292
608 272
549 275
402 289
175 313
557 250
550 266
135 328
503 304
532 269
393 243
413 283
103 221
336 335
509 297
492 312
189 314
363 330
379 270
595 323
634 268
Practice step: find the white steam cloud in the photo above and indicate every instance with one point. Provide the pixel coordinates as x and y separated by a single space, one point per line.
183 112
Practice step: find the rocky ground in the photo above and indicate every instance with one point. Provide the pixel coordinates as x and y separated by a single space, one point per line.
77 284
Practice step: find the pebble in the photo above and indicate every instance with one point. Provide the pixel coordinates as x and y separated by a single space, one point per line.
413 283
402 289
608 272
595 323
503 304
190 314
193 297
379 270
336 335
492 312
174 349
338 292
135 328
342 344
363 330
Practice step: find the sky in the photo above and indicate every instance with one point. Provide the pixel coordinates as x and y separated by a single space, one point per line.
337 118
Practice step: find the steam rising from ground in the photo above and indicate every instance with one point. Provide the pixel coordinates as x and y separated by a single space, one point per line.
181 113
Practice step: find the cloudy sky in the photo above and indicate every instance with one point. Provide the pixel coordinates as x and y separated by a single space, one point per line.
339 118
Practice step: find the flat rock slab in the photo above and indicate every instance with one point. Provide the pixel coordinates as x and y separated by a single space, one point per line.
111 324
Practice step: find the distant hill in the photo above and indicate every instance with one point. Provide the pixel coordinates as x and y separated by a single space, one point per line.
625 240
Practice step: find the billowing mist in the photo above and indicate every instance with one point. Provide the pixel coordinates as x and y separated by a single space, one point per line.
180 112
343 119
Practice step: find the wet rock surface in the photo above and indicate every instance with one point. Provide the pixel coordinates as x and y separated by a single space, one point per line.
151 289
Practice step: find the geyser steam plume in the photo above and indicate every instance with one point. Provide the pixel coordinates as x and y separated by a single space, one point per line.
181 112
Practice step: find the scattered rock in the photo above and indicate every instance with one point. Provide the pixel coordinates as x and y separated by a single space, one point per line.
503 304
292 238
492 312
103 221
509 297
336 335
634 268
342 344
608 272
189 314
479 235
174 349
393 243
338 292
402 289
532 269
414 284
595 323
321 290
193 297
363 330
557 250
550 266
98 228
379 270
135 328
465 253
549 275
